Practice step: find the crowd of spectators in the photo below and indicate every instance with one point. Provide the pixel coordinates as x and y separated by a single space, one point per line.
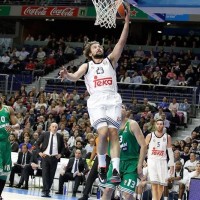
38 59
158 68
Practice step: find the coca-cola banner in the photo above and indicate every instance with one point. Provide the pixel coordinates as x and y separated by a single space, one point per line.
53 11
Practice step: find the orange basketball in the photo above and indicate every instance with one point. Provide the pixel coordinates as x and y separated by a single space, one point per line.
122 10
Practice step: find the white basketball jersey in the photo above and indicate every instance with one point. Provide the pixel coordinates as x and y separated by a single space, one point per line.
101 77
157 147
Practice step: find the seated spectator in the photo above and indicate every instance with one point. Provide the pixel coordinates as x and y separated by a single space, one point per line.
171 74
54 96
195 149
152 61
158 115
41 55
147 103
63 131
164 104
146 112
145 130
173 82
175 181
195 63
13 142
125 78
79 146
84 119
182 145
41 102
190 164
34 140
166 123
20 118
181 79
185 109
174 119
26 142
151 124
33 168
136 80
23 54
24 157
139 54
90 146
60 107
49 63
134 107
177 157
30 66
173 104
76 170
20 108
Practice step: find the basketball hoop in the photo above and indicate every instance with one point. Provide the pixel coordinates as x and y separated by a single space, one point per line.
106 11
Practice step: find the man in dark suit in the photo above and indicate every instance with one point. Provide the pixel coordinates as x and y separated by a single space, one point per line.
75 170
24 157
33 168
50 146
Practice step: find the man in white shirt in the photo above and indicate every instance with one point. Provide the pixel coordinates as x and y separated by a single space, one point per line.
50 146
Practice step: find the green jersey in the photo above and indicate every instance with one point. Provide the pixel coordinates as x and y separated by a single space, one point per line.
4 121
129 146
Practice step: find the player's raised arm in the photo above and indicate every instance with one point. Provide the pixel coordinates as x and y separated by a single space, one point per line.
117 51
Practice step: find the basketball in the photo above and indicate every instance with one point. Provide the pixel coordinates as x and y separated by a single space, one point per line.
122 10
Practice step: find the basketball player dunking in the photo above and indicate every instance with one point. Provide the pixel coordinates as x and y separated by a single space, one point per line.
104 104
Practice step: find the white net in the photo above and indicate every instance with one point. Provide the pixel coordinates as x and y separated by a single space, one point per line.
106 11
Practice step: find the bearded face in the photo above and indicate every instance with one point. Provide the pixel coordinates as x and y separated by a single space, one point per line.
98 56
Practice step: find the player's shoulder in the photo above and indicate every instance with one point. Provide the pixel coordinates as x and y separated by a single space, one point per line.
6 107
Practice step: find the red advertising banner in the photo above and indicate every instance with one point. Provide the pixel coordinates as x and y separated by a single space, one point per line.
53 11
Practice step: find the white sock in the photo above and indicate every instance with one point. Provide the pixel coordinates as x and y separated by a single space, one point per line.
179 199
165 198
139 196
134 195
115 163
102 160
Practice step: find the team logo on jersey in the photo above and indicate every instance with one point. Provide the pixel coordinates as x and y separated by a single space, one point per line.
102 81
157 152
99 70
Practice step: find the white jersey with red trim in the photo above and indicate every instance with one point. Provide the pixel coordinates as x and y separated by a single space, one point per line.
101 77
157 147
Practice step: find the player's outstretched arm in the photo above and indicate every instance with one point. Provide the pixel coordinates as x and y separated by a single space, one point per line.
117 51
64 74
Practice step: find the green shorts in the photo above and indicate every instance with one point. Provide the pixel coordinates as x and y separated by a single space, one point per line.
128 173
5 158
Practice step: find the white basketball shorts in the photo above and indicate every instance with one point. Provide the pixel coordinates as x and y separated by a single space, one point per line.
105 108
158 172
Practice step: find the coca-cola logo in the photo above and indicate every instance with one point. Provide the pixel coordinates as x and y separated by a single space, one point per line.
35 11
62 12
